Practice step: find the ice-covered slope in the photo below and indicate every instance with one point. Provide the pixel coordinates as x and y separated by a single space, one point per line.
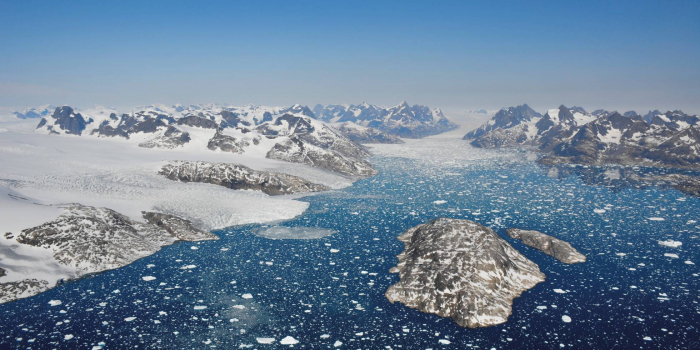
42 175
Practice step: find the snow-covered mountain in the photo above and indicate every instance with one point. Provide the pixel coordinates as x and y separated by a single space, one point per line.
289 134
362 134
402 120
34 112
574 135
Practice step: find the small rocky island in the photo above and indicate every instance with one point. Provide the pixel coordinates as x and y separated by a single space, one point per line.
238 177
560 250
461 270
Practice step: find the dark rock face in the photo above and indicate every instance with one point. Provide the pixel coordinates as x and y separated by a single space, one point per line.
461 270
227 143
197 121
560 250
66 120
233 120
364 135
238 177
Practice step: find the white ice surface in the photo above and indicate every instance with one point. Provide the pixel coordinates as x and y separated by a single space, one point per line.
38 171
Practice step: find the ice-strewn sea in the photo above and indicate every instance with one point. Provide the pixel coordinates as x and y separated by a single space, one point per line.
248 291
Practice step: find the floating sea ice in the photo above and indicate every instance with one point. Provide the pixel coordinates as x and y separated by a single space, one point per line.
55 302
194 248
670 243
440 202
325 336
150 265
599 211
566 319
647 338
671 255
289 340
283 232
247 296
68 337
148 278
656 219
444 342
265 340
199 307
188 267
129 319
337 344
335 250
688 262
560 291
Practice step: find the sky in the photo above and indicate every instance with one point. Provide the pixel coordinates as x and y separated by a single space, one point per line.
616 55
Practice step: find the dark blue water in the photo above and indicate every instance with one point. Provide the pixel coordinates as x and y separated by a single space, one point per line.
626 291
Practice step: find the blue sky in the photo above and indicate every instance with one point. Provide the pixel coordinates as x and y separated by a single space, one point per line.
456 55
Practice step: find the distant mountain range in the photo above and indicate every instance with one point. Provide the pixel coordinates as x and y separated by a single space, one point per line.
293 134
35 112
403 120
573 135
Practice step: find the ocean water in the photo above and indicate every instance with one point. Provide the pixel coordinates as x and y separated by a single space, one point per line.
327 291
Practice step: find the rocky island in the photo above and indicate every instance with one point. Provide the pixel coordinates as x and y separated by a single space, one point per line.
461 270
560 250
238 177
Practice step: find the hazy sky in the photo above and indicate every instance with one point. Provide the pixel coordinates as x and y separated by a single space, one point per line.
455 55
